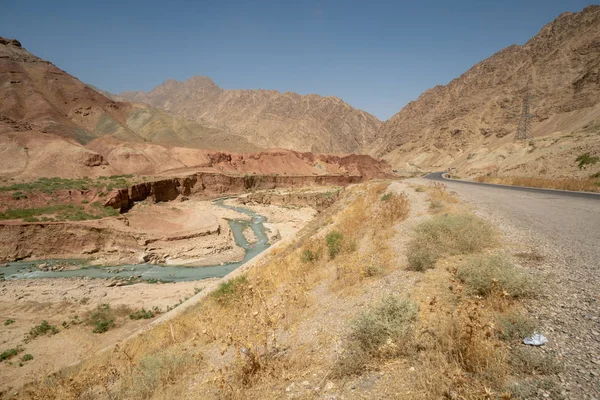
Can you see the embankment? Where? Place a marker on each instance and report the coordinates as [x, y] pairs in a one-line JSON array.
[[64, 240], [211, 185]]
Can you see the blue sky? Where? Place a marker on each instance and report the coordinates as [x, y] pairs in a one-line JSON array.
[[375, 55]]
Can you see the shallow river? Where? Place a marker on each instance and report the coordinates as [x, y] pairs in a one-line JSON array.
[[171, 273]]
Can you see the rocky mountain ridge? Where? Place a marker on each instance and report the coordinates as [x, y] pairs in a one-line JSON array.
[[477, 113], [266, 118]]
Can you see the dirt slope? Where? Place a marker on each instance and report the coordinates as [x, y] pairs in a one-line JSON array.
[[266, 118], [477, 113]]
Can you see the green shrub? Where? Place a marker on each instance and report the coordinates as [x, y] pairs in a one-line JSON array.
[[227, 291], [383, 331], [27, 357], [386, 196], [101, 318], [18, 195], [485, 274], [334, 243], [586, 159], [141, 314], [309, 256], [446, 235], [9, 321], [42, 329], [10, 353]]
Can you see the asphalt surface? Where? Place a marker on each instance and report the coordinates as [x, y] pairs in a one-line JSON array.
[[565, 228]]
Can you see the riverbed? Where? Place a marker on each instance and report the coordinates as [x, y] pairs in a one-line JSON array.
[[150, 272]]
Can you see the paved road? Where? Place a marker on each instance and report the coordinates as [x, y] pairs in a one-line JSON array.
[[565, 228]]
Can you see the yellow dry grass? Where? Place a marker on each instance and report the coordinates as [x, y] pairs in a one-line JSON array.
[[579, 185]]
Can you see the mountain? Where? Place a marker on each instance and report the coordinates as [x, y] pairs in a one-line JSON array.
[[54, 125], [470, 123], [266, 118], [37, 96]]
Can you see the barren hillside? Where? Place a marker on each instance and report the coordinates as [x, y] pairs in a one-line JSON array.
[[470, 123], [38, 97], [267, 118]]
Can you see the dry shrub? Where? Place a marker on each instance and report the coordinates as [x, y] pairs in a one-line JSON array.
[[485, 274], [528, 360], [581, 185], [515, 326], [446, 235], [438, 192], [384, 331], [154, 372], [392, 208], [460, 352]]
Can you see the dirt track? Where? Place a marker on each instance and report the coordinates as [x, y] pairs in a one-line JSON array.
[[565, 229]]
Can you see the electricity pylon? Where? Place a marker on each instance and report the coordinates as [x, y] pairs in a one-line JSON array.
[[525, 118]]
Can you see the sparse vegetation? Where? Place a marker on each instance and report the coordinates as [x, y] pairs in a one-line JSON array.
[[309, 256], [61, 212], [515, 326], [384, 331], [485, 274], [386, 196], [532, 361], [142, 314], [9, 322], [581, 185], [448, 235], [334, 243], [227, 291], [27, 357], [10, 353], [41, 330], [49, 185], [155, 371], [586, 159], [18, 195], [102, 318]]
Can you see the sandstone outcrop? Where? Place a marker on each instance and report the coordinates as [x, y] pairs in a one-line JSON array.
[[212, 185]]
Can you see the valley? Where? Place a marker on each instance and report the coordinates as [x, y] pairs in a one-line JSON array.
[[193, 241]]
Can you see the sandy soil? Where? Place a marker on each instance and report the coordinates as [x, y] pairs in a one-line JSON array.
[[287, 220], [28, 302]]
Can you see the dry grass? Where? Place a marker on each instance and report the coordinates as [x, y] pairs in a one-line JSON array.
[[447, 235], [579, 185], [486, 275], [385, 330]]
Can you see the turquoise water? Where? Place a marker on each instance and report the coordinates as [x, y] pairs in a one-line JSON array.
[[171, 273]]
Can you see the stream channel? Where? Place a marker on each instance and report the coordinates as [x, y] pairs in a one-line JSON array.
[[170, 273]]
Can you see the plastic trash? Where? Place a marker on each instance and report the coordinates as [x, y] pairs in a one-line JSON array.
[[536, 339]]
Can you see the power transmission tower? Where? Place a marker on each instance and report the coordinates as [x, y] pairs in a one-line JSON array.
[[525, 118]]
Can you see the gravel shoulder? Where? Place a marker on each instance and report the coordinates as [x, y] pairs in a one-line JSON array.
[[565, 231]]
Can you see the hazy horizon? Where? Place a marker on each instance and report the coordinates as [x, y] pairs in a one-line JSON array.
[[376, 56]]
